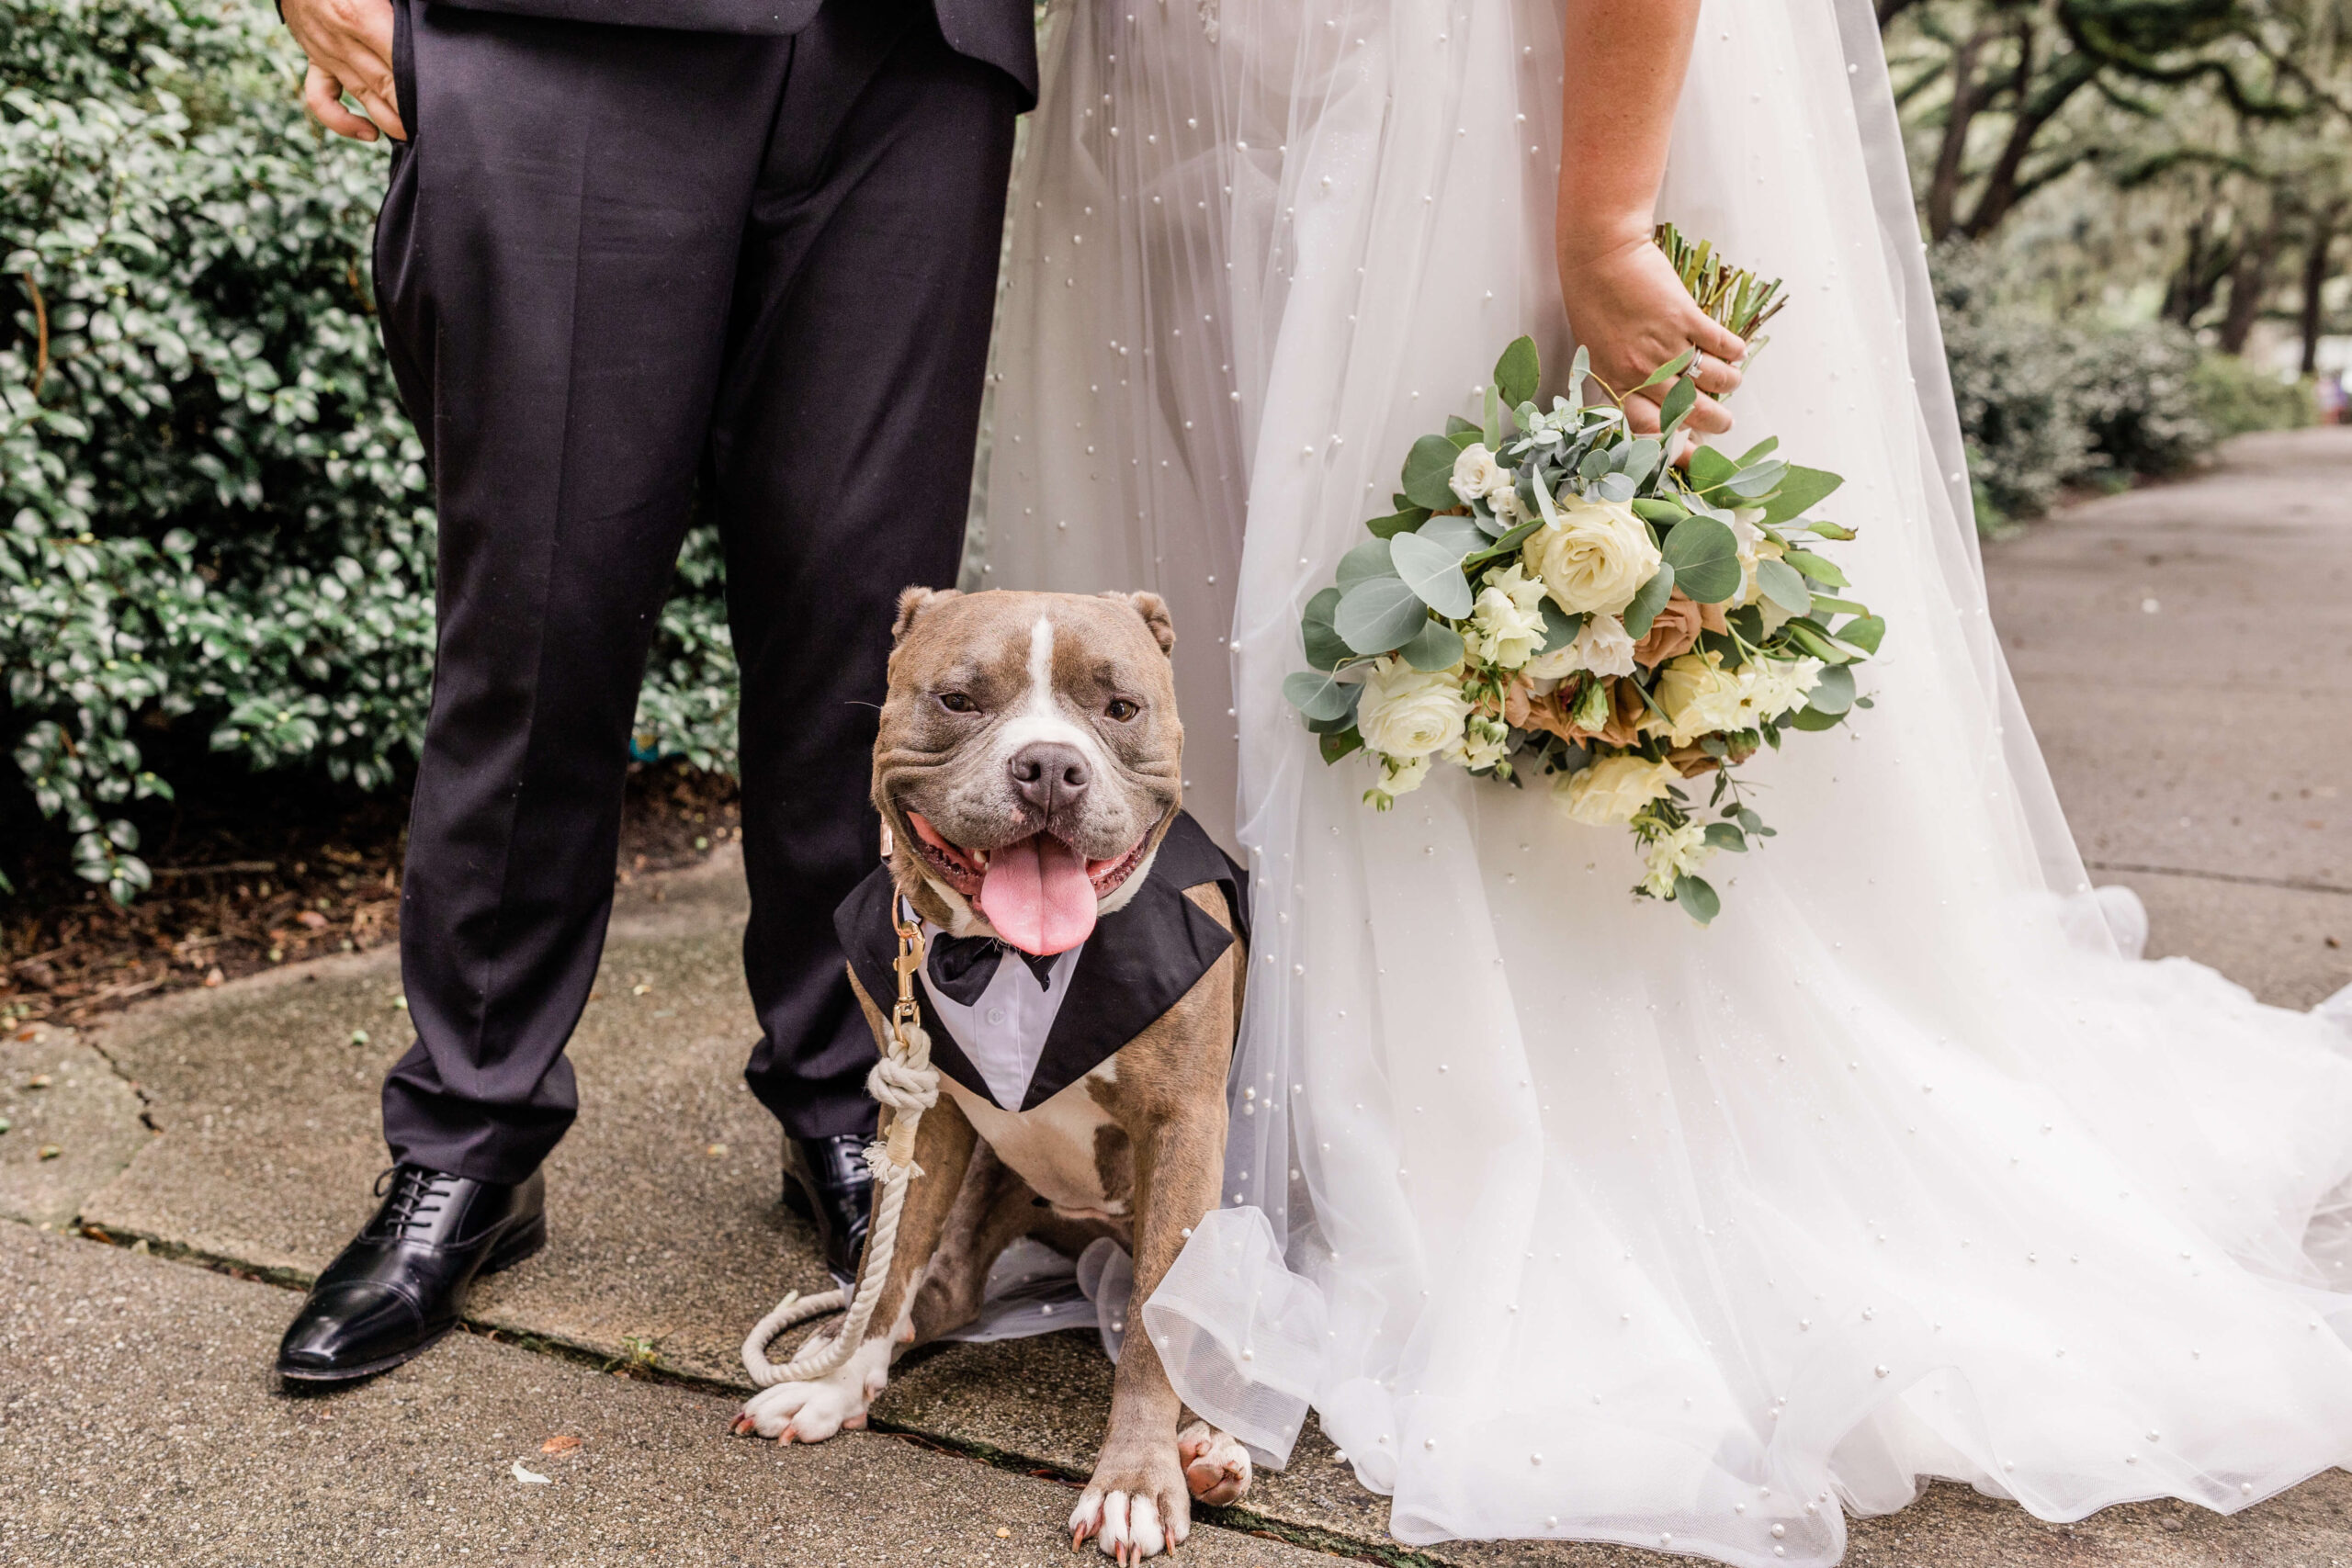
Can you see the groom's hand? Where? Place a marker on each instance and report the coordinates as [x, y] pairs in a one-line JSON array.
[[1627, 306], [350, 46]]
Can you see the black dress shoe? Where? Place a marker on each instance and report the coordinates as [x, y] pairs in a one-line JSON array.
[[827, 1180], [402, 1283]]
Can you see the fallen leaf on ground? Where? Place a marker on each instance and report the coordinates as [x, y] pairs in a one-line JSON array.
[[563, 1443], [530, 1477], [39, 1080], [213, 976], [715, 1150], [313, 920], [50, 1151]]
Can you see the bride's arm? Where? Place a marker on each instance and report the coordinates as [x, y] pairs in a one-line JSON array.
[[1625, 62]]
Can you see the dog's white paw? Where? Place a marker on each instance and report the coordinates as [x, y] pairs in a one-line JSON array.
[[811, 1412], [1132, 1517], [1216, 1467]]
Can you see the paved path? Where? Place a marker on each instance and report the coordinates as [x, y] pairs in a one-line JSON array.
[[235, 1128]]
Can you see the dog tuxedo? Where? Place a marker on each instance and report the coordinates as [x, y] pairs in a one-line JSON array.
[[1016, 1028]]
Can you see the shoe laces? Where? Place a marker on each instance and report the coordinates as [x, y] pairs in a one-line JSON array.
[[417, 1198]]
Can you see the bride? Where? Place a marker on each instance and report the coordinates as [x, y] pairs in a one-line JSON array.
[[1568, 1217]]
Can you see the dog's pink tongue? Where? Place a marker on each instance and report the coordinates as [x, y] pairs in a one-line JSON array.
[[1038, 896]]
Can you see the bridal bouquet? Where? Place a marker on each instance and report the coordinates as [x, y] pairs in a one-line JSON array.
[[1552, 597]]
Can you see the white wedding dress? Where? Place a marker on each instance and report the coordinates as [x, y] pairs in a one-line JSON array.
[[1578, 1220]]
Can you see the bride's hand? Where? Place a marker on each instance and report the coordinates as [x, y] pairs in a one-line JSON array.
[[1627, 306]]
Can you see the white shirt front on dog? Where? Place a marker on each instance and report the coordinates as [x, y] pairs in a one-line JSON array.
[[1003, 1033]]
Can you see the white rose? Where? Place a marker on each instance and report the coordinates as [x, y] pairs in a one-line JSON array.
[[1406, 714], [1477, 475], [1597, 559], [1613, 789], [1676, 853], [1601, 646], [1506, 624]]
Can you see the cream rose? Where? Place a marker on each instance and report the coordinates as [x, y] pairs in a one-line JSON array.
[[1613, 789], [1597, 559], [1405, 713]]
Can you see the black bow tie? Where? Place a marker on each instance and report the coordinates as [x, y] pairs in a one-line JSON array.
[[962, 966]]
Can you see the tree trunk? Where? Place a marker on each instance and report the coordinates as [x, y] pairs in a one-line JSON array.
[[2315, 275], [2249, 281], [1952, 158]]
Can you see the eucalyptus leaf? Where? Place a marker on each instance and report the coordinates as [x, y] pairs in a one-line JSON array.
[[1698, 899], [1492, 434], [1460, 534], [1578, 368], [1864, 632], [1669, 370], [1428, 474], [1705, 559], [1782, 585], [1648, 603], [1560, 628], [1823, 606], [1639, 457], [1818, 568], [1749, 484], [1709, 468], [1800, 489], [1758, 452], [1517, 371], [1506, 546], [1813, 640], [1401, 522], [1319, 694], [1615, 487], [1458, 425], [1367, 560], [1379, 613], [1335, 746], [1813, 720], [1659, 510], [1432, 570], [1726, 836], [1680, 400], [1324, 648], [1435, 647], [1834, 692]]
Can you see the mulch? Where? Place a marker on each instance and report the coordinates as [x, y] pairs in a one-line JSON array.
[[253, 871]]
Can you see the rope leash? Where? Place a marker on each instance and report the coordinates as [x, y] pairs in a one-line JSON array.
[[906, 1085]]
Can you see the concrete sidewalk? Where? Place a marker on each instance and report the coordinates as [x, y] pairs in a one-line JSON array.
[[237, 1128]]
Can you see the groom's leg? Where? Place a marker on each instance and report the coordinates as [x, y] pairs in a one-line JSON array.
[[558, 257], [843, 456]]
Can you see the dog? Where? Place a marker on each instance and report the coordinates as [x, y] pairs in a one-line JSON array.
[[1082, 990]]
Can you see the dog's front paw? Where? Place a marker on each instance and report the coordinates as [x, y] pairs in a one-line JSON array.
[[811, 1412], [1216, 1467], [1134, 1508]]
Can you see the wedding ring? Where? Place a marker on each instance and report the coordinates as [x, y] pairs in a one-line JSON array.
[[1698, 362]]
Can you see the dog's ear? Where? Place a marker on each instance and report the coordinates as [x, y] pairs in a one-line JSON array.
[[914, 602], [1154, 611]]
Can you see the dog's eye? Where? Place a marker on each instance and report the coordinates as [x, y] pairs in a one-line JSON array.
[[957, 702], [1123, 710]]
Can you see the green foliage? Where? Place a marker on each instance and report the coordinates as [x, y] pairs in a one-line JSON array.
[[215, 513], [2044, 404], [2237, 397]]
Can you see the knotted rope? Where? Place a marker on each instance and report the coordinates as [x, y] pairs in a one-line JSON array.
[[906, 1085]]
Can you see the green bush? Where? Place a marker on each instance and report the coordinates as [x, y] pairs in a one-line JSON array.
[[2044, 404], [2237, 397], [215, 513]]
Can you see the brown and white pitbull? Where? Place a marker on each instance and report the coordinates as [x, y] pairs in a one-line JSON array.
[[1030, 771]]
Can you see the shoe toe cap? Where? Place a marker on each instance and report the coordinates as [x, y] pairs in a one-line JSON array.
[[343, 1328]]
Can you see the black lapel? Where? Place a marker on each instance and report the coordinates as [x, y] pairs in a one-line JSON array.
[[864, 925], [1140, 961], [1138, 964]]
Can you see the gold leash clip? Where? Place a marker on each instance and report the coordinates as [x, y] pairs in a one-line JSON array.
[[905, 1013]]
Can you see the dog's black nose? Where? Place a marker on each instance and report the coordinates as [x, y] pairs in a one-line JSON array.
[[1049, 776]]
